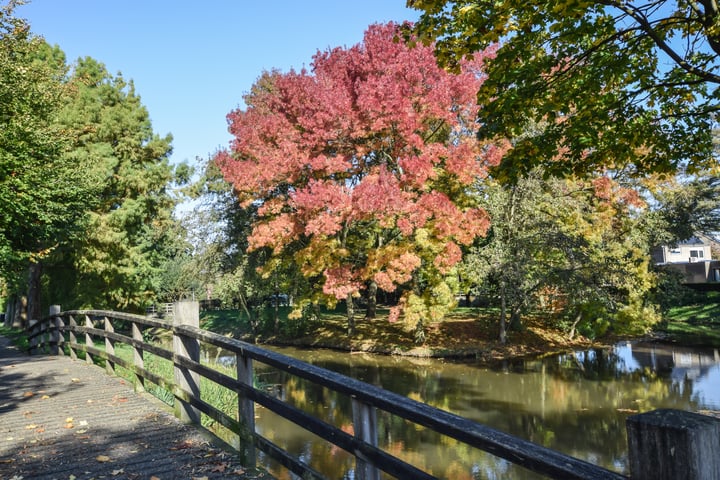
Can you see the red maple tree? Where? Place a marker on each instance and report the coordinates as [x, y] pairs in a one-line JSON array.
[[363, 167]]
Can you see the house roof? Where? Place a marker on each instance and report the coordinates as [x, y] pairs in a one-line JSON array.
[[694, 240]]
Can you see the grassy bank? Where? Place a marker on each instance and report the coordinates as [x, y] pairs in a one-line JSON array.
[[467, 332], [697, 322]]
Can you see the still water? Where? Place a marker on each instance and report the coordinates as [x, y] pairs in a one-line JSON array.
[[575, 403]]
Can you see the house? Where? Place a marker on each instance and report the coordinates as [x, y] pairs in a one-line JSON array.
[[694, 249], [692, 258]]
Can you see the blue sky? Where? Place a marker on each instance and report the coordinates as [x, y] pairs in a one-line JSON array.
[[191, 61]]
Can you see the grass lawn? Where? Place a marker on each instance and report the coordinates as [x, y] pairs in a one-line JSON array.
[[697, 323], [16, 336]]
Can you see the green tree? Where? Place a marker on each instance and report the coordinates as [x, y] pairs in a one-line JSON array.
[[617, 83], [130, 231], [43, 192], [687, 206], [573, 243], [219, 229]]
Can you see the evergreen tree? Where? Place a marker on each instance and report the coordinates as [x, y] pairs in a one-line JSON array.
[[130, 232]]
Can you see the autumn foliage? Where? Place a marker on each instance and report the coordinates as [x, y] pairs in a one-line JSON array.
[[362, 168]]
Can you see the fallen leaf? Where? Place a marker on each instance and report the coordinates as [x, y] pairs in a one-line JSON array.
[[220, 468], [39, 430], [83, 423], [30, 427], [9, 460], [182, 445], [69, 420], [102, 458], [72, 477], [45, 397], [239, 471], [154, 478], [200, 478], [28, 394], [115, 473], [80, 432], [75, 380], [69, 426]]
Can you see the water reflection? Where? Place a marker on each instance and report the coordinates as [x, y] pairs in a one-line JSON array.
[[576, 403]]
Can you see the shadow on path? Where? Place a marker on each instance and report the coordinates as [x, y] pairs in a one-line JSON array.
[[63, 419]]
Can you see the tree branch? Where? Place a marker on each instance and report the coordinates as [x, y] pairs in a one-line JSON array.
[[645, 24]]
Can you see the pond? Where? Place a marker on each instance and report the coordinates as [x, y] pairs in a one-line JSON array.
[[576, 403]]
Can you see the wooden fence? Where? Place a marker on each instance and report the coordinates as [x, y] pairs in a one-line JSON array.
[[663, 444]]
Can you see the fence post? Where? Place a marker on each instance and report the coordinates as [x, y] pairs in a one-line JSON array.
[[246, 410], [138, 361], [89, 339], [35, 340], [365, 428], [673, 444], [56, 337], [109, 347], [73, 337], [186, 381]]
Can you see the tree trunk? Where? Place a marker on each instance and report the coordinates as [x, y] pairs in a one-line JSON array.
[[516, 324], [10, 310], [19, 317], [371, 311], [251, 320], [420, 332], [350, 315], [276, 310], [575, 324], [503, 309], [34, 308]]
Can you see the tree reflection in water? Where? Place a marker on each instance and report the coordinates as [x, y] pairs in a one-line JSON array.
[[576, 403]]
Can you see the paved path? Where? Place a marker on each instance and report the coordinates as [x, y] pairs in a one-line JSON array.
[[64, 419]]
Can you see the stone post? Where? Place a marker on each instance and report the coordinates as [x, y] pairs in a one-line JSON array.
[[56, 336], [673, 444], [187, 382]]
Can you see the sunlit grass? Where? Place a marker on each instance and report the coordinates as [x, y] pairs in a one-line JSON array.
[[17, 336], [696, 323]]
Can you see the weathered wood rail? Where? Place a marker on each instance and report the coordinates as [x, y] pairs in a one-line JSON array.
[[651, 442]]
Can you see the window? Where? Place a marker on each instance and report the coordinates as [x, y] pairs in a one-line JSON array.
[[696, 254]]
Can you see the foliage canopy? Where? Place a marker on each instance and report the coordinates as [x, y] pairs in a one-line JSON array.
[[614, 83], [361, 167]]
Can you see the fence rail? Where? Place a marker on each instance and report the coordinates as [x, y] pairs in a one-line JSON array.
[[62, 329]]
